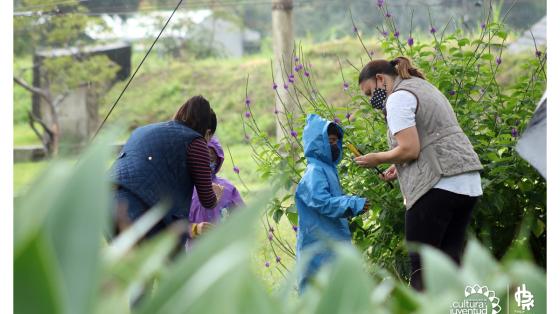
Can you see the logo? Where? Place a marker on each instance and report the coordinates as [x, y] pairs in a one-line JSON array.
[[478, 300], [524, 298]]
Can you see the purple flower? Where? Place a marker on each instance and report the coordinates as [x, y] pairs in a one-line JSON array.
[[266, 264], [294, 228], [396, 34], [278, 259], [337, 120], [380, 3], [296, 68], [452, 92], [410, 41], [385, 34], [274, 86], [388, 15], [433, 30], [345, 85], [371, 52], [293, 133], [291, 78], [514, 133], [483, 25], [296, 59], [285, 86], [247, 114], [236, 169], [306, 74], [348, 115], [538, 53], [247, 101], [498, 60], [270, 236]]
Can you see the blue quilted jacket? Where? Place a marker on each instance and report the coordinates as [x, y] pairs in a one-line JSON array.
[[153, 166]]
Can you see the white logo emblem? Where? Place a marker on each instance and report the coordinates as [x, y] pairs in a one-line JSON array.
[[524, 298], [477, 300]]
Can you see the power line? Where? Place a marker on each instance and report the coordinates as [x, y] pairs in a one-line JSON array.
[[136, 71]]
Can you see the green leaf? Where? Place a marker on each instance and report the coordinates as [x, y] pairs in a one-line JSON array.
[[478, 264], [38, 287], [462, 42], [75, 224], [293, 218], [277, 215], [502, 34], [440, 274], [338, 297], [217, 264]]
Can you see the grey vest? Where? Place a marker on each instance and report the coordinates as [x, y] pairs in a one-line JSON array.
[[445, 150]]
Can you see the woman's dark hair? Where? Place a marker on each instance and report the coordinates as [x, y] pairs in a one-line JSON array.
[[400, 66], [197, 114]]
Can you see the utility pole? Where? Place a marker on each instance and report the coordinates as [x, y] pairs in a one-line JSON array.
[[283, 45]]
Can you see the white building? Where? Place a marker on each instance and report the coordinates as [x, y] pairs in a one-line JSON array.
[[230, 39]]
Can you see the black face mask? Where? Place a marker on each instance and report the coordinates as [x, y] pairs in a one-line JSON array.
[[378, 98], [335, 152]]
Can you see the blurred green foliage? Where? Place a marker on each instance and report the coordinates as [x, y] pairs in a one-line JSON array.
[[62, 263]]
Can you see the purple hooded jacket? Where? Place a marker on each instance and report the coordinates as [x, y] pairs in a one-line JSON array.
[[230, 199]]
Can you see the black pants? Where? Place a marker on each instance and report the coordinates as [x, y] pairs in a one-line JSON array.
[[440, 219]]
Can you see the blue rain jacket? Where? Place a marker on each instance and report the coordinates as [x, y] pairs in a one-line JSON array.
[[322, 207]]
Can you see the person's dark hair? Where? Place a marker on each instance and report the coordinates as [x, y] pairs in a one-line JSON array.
[[197, 114], [400, 66], [332, 129]]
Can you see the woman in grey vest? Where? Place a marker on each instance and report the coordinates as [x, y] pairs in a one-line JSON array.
[[434, 161]]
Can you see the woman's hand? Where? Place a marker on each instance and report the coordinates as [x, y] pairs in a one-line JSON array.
[[368, 161], [389, 174], [218, 190]]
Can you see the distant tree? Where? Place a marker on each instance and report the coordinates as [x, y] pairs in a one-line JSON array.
[[112, 6], [51, 26]]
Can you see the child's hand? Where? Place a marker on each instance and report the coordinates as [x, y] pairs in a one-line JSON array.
[[201, 228], [389, 174], [366, 207]]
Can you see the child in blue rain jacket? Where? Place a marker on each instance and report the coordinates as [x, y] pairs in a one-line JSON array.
[[323, 209]]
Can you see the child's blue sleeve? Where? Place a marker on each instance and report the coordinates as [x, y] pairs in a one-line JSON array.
[[313, 190]]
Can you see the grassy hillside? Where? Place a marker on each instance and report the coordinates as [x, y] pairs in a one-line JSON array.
[[164, 84]]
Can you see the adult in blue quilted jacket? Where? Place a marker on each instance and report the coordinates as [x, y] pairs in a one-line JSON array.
[[162, 162], [323, 209]]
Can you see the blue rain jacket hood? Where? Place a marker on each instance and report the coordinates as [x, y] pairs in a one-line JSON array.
[[323, 209]]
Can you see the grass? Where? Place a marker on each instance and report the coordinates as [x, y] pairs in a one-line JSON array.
[[25, 173], [24, 135]]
